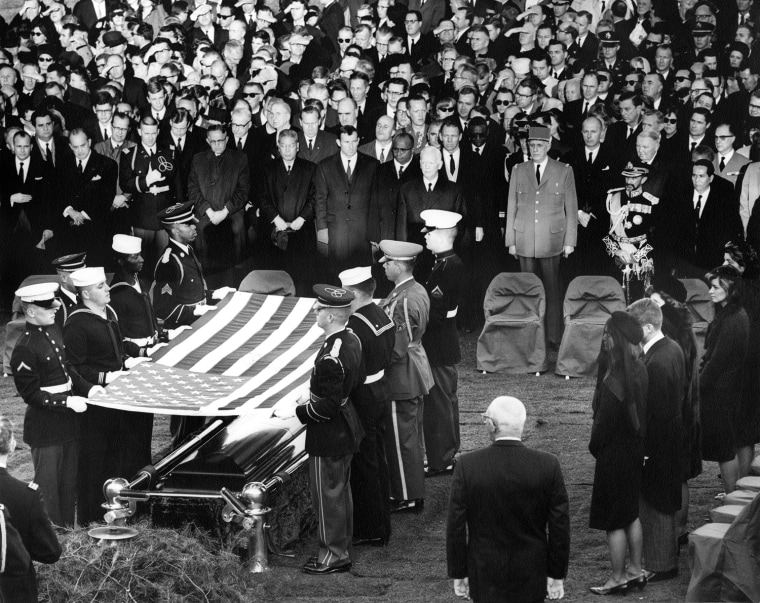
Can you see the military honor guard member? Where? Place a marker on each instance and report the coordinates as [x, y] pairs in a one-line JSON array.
[[179, 289], [22, 515], [54, 393], [441, 341], [333, 430], [64, 266], [630, 211], [94, 345], [369, 468], [409, 375]]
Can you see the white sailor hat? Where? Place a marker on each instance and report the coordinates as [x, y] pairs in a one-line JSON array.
[[88, 276], [201, 10], [399, 250], [41, 294], [354, 276], [439, 218], [126, 244]]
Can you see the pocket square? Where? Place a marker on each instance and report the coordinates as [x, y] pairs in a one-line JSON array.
[[38, 177], [606, 168], [97, 177]]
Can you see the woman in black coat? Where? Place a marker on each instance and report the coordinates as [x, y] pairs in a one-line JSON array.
[[720, 378], [617, 443]]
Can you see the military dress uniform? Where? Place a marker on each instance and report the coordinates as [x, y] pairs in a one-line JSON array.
[[409, 378], [44, 378], [27, 514], [333, 434], [441, 342], [369, 468], [178, 285], [94, 345], [15, 563]]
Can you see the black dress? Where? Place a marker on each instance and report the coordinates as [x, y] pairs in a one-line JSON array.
[[618, 450], [720, 381], [748, 424]]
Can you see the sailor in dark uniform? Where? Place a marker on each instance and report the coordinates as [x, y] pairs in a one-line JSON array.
[[64, 266], [441, 341], [179, 290], [94, 346], [22, 514], [333, 430], [180, 295], [370, 486], [52, 390], [630, 210]]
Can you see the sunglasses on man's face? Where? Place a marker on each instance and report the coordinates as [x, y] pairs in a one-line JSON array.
[[671, 120], [501, 102], [345, 40]]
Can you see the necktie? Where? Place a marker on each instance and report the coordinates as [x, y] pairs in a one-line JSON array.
[[585, 108], [240, 144], [538, 174], [179, 145], [106, 135], [590, 158], [382, 156], [452, 165], [430, 187], [79, 166], [287, 168], [400, 172], [630, 131], [722, 164], [698, 207], [693, 145], [348, 170], [604, 2], [48, 154], [311, 145], [21, 172]]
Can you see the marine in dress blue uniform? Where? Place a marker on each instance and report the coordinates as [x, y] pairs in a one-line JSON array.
[[441, 340], [369, 468], [333, 430], [46, 381]]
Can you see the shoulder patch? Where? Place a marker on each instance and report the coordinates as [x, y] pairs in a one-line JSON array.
[[126, 151], [23, 366], [166, 289], [335, 351], [651, 198], [33, 486], [436, 292], [166, 256]]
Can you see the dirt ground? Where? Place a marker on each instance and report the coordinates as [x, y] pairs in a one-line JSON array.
[[412, 568]]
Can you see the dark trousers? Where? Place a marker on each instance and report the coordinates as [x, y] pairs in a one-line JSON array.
[[19, 589], [405, 447], [55, 470], [370, 486], [331, 496], [441, 419], [547, 269]]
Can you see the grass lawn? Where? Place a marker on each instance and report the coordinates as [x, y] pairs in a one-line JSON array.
[[413, 567]]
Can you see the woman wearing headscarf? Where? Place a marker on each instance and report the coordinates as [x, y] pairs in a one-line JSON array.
[[720, 377], [744, 259], [617, 444], [677, 321]]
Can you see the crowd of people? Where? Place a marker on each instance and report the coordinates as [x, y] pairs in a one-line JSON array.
[[174, 142]]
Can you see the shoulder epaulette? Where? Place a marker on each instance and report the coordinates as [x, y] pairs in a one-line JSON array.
[[335, 351], [166, 256], [651, 198], [33, 486]]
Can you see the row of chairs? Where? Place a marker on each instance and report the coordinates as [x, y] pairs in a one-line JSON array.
[[512, 339]]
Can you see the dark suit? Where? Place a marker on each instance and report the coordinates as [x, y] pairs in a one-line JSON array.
[[324, 146], [508, 522], [343, 208], [331, 20], [85, 13], [625, 146], [661, 477], [414, 198], [59, 150], [384, 206], [589, 50], [289, 196], [92, 192], [432, 13]]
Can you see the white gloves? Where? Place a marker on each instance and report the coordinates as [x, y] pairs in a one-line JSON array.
[[76, 403], [96, 390], [200, 310], [131, 363], [111, 376], [222, 292], [172, 333]]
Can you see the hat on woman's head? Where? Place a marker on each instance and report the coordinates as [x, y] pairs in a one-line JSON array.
[[627, 326], [669, 285]]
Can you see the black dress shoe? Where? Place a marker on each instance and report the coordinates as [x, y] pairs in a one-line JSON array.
[[368, 541], [683, 539], [407, 506], [620, 589], [447, 471], [321, 568], [660, 576]]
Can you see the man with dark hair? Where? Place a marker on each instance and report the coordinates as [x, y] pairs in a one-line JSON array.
[[369, 468], [621, 135], [48, 146]]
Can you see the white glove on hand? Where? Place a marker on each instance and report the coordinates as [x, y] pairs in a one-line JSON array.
[[96, 390], [279, 223], [287, 412], [153, 349], [222, 292], [111, 376], [131, 363], [201, 310], [172, 333], [76, 403]]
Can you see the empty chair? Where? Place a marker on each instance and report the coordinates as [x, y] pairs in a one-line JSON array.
[[589, 302], [754, 468], [725, 513], [268, 282], [750, 482], [513, 336], [698, 302], [740, 497]]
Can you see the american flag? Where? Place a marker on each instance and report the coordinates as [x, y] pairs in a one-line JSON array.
[[251, 353]]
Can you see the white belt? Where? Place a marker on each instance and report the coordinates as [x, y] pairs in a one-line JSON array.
[[57, 389], [142, 342], [376, 377], [452, 313]]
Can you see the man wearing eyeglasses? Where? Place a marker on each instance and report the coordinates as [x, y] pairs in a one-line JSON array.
[[728, 163], [419, 45]]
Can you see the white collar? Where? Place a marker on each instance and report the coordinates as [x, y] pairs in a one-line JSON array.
[[411, 278], [655, 338], [433, 182], [728, 157], [506, 438], [182, 246], [542, 165]]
